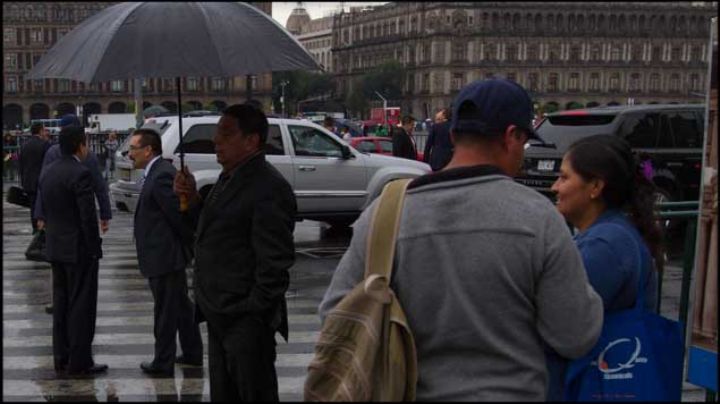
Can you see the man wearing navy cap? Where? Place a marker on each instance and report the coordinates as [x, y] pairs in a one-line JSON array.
[[490, 275], [99, 185]]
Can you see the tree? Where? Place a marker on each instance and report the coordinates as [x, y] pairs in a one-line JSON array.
[[387, 79], [301, 85]]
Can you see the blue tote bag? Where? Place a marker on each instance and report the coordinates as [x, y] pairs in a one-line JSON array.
[[638, 357]]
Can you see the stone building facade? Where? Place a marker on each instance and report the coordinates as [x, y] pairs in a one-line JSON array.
[[568, 55], [31, 28], [316, 37]]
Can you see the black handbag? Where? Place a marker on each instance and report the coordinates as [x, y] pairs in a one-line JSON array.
[[18, 196], [36, 249]]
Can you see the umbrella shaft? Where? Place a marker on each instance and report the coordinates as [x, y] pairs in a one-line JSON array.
[[180, 128]]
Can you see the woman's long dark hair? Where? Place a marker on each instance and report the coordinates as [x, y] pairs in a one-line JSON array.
[[611, 159]]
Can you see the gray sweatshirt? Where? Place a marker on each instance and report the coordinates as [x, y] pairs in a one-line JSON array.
[[486, 271]]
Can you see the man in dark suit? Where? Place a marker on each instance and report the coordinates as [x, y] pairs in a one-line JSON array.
[[31, 158], [99, 185], [243, 250], [403, 142], [73, 249], [161, 238], [439, 148]]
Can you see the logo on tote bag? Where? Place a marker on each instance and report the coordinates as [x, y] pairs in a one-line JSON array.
[[611, 368]]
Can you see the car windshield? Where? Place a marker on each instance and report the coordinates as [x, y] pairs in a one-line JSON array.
[[564, 130], [158, 124]]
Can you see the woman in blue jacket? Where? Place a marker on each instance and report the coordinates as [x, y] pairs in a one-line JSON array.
[[602, 192]]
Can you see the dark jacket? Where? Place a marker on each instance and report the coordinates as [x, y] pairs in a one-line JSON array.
[[71, 219], [31, 158], [244, 247], [160, 234], [99, 185], [438, 148], [403, 146]]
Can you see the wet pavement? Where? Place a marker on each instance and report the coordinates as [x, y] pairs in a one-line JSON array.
[[124, 333]]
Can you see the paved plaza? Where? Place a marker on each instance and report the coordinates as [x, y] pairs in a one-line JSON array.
[[124, 333]]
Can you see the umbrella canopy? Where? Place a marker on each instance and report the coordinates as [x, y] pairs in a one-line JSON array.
[[163, 39]]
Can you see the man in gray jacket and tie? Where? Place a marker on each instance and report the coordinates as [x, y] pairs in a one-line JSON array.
[[162, 242]]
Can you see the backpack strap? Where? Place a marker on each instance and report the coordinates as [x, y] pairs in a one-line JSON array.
[[384, 229]]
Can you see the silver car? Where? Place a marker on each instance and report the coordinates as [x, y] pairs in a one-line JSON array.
[[332, 181]]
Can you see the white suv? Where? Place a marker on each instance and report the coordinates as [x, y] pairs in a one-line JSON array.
[[332, 181]]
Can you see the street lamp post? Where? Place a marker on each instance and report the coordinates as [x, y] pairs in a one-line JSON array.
[[282, 97]]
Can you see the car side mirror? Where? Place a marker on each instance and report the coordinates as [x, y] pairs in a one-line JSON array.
[[346, 153]]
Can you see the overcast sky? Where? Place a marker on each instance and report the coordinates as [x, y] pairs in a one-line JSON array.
[[281, 10]]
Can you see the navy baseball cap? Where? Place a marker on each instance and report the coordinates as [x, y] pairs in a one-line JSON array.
[[69, 120], [490, 106]]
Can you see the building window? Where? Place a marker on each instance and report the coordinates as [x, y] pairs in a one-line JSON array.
[[489, 75], [594, 81], [634, 85], [615, 82], [675, 83], [459, 52], [574, 83], [675, 54], [191, 84], [426, 82], [9, 36], [533, 81], [490, 52], [11, 61], [655, 82], [458, 81], [553, 83], [532, 52], [656, 53], [575, 54], [637, 53], [695, 54], [218, 84], [426, 53], [38, 85], [117, 86], [511, 53], [554, 54], [11, 84], [168, 84], [511, 76], [36, 35], [63, 85], [615, 53], [595, 53], [695, 82]]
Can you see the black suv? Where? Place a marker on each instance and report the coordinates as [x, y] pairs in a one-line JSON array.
[[671, 136]]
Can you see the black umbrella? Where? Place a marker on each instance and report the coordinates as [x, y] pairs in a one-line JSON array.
[[159, 39]]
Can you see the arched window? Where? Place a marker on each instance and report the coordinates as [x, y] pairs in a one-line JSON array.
[[615, 82], [552, 83], [675, 83], [655, 82], [615, 53], [634, 85]]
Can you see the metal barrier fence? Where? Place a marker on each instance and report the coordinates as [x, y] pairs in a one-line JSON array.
[[11, 151], [686, 211]]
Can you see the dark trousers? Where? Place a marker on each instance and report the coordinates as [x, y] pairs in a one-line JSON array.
[[75, 291], [174, 315], [32, 196], [242, 361]]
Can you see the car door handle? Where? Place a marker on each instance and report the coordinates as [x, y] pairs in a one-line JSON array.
[[306, 168]]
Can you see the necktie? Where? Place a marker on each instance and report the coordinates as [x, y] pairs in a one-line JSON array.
[[217, 189]]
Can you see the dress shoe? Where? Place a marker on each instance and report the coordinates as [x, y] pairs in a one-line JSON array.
[[183, 360], [152, 369], [49, 309], [94, 369]]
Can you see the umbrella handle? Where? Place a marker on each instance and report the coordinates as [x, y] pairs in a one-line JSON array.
[[183, 203]]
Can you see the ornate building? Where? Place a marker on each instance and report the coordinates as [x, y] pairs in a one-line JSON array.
[[315, 35], [30, 29], [568, 55]]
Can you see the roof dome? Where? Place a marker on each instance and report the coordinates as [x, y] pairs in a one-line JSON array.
[[297, 20]]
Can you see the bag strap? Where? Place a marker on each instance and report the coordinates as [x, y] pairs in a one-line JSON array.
[[384, 229]]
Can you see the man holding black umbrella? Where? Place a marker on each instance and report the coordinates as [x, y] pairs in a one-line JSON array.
[[243, 250]]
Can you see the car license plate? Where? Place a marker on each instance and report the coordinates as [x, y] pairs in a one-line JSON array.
[[124, 174], [546, 165]]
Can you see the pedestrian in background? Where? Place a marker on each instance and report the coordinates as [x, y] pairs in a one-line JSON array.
[[439, 148], [161, 239], [490, 273], [111, 146], [329, 124], [402, 139], [31, 158], [98, 183], [243, 250], [73, 249], [602, 191]]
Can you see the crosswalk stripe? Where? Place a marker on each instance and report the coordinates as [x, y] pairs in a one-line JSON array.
[[135, 320], [131, 306]]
